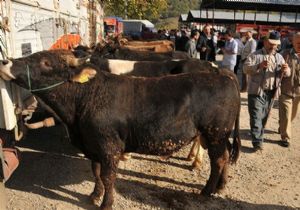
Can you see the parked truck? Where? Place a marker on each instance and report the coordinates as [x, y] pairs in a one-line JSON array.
[[134, 28], [28, 26], [113, 26]]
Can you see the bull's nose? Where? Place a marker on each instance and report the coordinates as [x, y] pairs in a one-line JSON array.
[[4, 62]]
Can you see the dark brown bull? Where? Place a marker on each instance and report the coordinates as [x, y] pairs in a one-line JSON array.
[[112, 114], [163, 68]]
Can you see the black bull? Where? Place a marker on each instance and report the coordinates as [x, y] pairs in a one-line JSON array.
[[112, 114]]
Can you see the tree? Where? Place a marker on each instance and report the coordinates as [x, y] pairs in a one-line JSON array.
[[177, 7], [135, 9]]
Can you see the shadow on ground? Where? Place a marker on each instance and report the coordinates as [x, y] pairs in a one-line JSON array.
[[55, 164]]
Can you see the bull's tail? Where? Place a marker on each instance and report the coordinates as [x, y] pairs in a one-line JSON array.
[[236, 145]]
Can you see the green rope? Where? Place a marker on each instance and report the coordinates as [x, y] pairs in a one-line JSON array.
[[39, 89]]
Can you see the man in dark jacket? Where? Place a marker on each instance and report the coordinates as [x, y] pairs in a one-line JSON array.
[[206, 46], [181, 42]]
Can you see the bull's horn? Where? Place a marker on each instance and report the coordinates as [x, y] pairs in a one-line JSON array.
[[72, 61]]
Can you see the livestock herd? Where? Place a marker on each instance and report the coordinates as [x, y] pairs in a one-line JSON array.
[[127, 97]]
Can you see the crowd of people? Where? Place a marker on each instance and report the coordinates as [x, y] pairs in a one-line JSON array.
[[268, 66]]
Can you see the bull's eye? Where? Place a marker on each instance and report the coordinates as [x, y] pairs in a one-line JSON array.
[[46, 64]]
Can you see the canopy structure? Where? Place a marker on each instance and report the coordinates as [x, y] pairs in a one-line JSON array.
[[263, 12], [243, 16], [258, 5]]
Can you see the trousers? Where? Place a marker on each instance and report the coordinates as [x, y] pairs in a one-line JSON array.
[[258, 106], [288, 108]]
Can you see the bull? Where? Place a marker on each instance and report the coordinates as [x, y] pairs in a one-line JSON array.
[[162, 68], [114, 51], [112, 114]]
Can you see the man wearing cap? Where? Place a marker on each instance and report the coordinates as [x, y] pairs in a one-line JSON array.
[[289, 100], [250, 47], [264, 68]]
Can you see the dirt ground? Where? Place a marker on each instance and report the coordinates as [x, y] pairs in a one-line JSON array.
[[53, 176]]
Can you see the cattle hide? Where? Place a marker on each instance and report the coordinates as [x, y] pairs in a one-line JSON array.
[[112, 51], [153, 68], [113, 114]]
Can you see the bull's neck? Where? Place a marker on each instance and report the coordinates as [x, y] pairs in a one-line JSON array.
[[63, 100]]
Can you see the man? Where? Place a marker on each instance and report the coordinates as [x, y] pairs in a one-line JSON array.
[[191, 45], [238, 40], [206, 45], [290, 92], [230, 51], [264, 68], [286, 42], [181, 42], [250, 47]]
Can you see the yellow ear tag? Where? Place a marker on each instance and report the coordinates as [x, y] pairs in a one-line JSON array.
[[85, 75], [83, 78]]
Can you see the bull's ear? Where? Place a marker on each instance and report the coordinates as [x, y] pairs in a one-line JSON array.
[[84, 75]]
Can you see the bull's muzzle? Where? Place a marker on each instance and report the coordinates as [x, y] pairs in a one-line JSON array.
[[5, 70]]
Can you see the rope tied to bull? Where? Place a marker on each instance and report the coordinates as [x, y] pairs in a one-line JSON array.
[[39, 89]]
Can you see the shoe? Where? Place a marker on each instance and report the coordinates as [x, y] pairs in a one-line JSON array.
[[257, 145], [284, 143]]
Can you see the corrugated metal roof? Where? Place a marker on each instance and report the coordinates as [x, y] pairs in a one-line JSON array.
[[283, 2], [243, 16], [262, 5]]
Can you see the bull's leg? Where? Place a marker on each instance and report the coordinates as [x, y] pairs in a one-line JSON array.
[[194, 149], [217, 155], [99, 188], [109, 166], [199, 158], [125, 156], [224, 175]]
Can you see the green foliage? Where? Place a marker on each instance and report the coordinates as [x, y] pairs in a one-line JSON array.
[[177, 7], [149, 9], [135, 9], [167, 23]]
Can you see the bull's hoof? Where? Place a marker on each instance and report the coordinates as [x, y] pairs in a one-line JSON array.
[[206, 193], [164, 158], [220, 190], [221, 187], [196, 166], [105, 208], [95, 199], [125, 156], [190, 158]]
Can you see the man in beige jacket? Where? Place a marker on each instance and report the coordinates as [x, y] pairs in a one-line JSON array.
[[250, 47], [289, 99], [264, 68]]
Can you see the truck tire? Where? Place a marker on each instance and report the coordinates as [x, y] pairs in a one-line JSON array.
[[2, 196]]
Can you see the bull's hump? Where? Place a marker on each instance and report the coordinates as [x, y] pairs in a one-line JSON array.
[[121, 66]]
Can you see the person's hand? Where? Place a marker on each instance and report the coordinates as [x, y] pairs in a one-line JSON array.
[[264, 65], [284, 68], [203, 49]]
